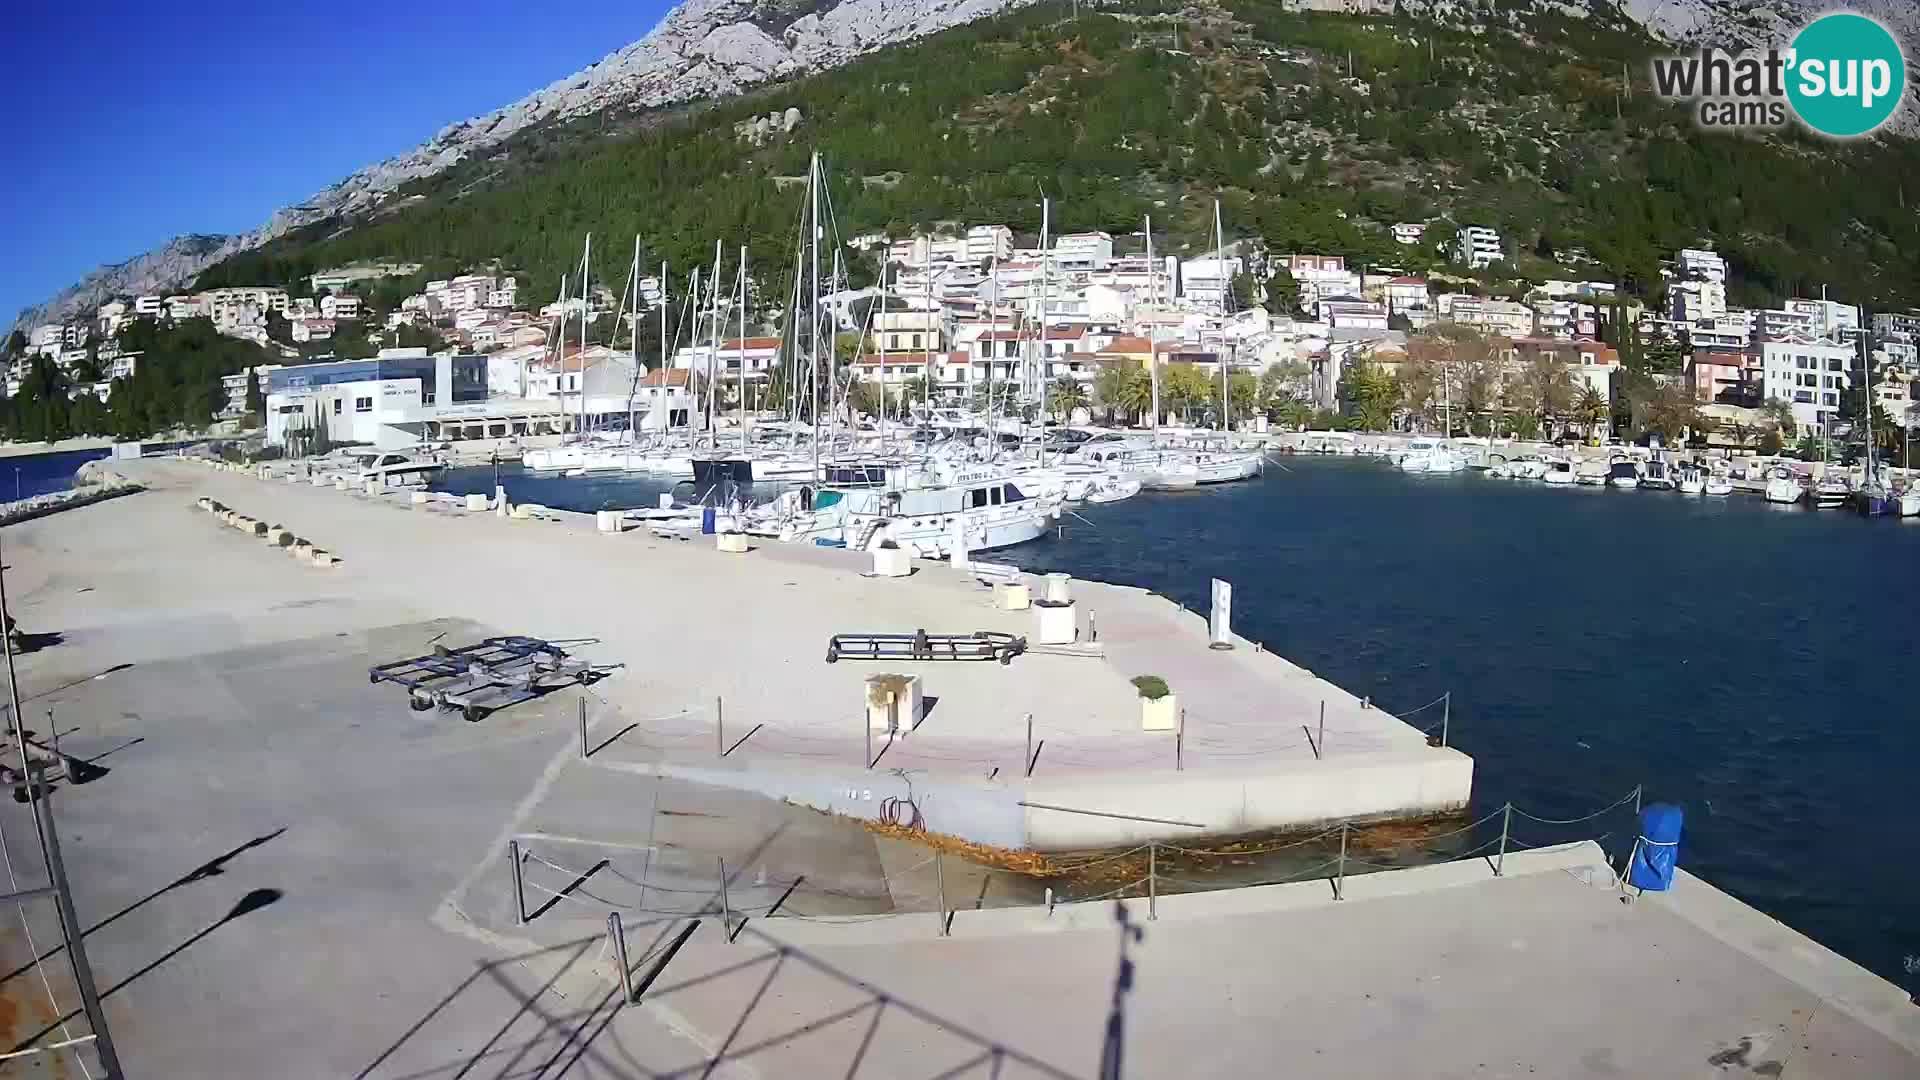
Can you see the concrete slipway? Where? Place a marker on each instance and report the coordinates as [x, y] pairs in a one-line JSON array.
[[286, 873]]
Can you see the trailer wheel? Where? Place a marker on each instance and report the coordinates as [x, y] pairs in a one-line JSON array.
[[833, 653], [418, 703], [373, 678], [472, 713], [1006, 658]]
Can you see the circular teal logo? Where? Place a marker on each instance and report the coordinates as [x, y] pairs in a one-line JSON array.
[[1847, 75]]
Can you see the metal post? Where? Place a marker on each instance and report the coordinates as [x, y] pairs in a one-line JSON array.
[[1153, 881], [940, 878], [1320, 744], [1340, 882], [619, 935], [726, 906], [869, 726], [519, 887], [1446, 715], [583, 727], [70, 926], [1506, 819], [1637, 790], [1367, 702], [1029, 762], [1049, 901], [720, 728]]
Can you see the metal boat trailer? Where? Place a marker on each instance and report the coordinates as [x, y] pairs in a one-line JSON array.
[[481, 678], [920, 645]]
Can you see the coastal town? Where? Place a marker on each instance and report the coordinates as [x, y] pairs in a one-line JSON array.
[[955, 311]]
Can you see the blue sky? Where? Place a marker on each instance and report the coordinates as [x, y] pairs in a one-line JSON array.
[[130, 124]]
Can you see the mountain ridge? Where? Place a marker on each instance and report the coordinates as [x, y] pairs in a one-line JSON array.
[[707, 49]]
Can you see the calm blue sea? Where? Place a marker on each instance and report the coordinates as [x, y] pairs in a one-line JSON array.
[[43, 474], [1753, 663]]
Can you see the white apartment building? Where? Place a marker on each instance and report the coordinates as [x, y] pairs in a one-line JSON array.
[[472, 318], [1808, 374], [110, 317], [906, 331], [46, 338], [1083, 251], [1565, 320], [1407, 297], [507, 292], [260, 297], [1409, 232], [1575, 290], [1693, 299], [340, 306], [757, 354], [1478, 247], [1209, 282], [1830, 318], [123, 365], [1732, 330], [186, 307], [1702, 264], [1352, 313], [1505, 318], [150, 306], [1784, 323], [988, 242], [305, 330]]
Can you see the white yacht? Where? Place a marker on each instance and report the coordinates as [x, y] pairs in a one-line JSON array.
[[1430, 456], [1623, 474], [1657, 476], [1719, 484], [1906, 501], [1782, 487], [1558, 473], [1591, 473], [1692, 481], [395, 470], [926, 522]]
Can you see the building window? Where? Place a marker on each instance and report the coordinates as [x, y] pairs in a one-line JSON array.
[[363, 404], [336, 406], [1831, 399], [1833, 364]]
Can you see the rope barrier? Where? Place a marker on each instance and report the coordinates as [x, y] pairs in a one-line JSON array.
[[1249, 851], [1622, 801]]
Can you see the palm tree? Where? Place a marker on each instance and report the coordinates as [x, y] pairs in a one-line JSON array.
[[1109, 387], [1740, 433], [1064, 396], [918, 388], [1591, 409]]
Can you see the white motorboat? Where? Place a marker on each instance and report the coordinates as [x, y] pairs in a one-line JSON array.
[[1212, 467], [1114, 490], [1528, 467], [1623, 475], [1718, 484], [1558, 473], [1831, 494], [1500, 470], [1906, 501], [1782, 487], [1591, 473], [925, 522], [396, 470], [1657, 476], [1692, 481], [1431, 456]]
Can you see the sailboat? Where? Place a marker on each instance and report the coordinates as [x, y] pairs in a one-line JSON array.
[[1872, 499]]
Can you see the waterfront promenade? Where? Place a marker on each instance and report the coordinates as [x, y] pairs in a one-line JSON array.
[[290, 874]]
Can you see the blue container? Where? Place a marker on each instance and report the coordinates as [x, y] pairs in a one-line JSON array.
[[706, 521], [1657, 851], [821, 541]]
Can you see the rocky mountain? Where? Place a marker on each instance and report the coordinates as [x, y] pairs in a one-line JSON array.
[[713, 48]]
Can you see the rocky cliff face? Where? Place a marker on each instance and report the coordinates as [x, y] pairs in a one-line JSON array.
[[712, 48]]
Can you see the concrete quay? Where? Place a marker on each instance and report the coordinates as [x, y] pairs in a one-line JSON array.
[[285, 872], [725, 674]]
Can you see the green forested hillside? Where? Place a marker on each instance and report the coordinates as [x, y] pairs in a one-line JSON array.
[[1316, 131]]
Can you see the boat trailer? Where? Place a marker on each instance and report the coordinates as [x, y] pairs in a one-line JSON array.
[[489, 675], [920, 645]]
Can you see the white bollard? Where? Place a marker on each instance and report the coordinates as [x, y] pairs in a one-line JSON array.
[[476, 503], [957, 544], [607, 521]]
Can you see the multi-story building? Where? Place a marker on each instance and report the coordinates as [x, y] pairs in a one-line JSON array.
[[1693, 299], [507, 292], [1351, 313], [123, 365], [1501, 317], [110, 317], [1727, 376], [1829, 318], [305, 330], [150, 306], [1208, 282], [1808, 374], [1409, 232], [186, 307], [1478, 247], [1781, 324], [386, 402], [1320, 277], [906, 331], [988, 242], [1565, 319], [1409, 298], [1083, 251], [1899, 325], [1731, 331], [756, 354], [340, 306], [1702, 264]]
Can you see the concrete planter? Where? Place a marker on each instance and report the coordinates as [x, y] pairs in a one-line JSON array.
[[1161, 715], [734, 543], [607, 521], [891, 562], [893, 702], [419, 498], [1012, 596], [476, 504]]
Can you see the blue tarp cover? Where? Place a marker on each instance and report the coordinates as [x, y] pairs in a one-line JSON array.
[[1655, 856]]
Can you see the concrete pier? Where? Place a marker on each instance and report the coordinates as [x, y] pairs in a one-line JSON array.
[[696, 627], [286, 872]]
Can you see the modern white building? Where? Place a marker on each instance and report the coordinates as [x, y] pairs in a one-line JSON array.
[[385, 402], [1732, 330], [1808, 374], [1506, 318], [1829, 318], [1083, 251], [1694, 299], [1407, 297], [989, 242], [340, 306], [150, 306], [1208, 282], [1478, 247], [1409, 232], [1702, 264]]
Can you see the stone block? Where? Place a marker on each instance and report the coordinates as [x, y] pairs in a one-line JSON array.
[[321, 557], [1054, 623], [476, 503], [891, 562], [1012, 596], [419, 498], [1161, 715], [733, 542], [893, 702]]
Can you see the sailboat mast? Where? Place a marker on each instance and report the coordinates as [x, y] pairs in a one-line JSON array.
[[742, 403], [1226, 295], [1153, 351], [1046, 284], [633, 336], [663, 341], [586, 270], [813, 303], [713, 348]]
